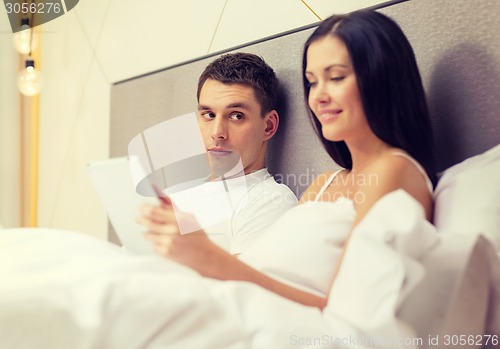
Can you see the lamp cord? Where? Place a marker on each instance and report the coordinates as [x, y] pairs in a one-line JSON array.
[[31, 24]]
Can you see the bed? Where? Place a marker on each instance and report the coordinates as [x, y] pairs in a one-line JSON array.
[[418, 285]]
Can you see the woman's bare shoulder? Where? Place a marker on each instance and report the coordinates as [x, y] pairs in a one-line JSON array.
[[397, 172]]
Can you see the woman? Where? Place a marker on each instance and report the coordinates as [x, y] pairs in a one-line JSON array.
[[367, 102]]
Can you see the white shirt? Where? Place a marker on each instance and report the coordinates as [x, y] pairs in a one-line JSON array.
[[233, 212]]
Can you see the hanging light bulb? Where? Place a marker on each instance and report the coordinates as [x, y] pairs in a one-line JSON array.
[[25, 40], [29, 80]]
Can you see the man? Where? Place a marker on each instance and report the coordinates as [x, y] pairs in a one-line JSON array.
[[237, 99]]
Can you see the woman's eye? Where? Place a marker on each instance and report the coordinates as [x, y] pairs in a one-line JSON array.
[[236, 116], [337, 78], [311, 83]]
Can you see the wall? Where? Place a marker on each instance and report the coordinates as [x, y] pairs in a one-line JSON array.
[[104, 41], [9, 129]]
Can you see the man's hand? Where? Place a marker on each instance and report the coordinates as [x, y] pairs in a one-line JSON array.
[[193, 249]]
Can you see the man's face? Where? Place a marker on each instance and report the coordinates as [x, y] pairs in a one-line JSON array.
[[233, 127]]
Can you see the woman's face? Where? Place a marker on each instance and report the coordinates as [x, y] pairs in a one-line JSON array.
[[334, 95]]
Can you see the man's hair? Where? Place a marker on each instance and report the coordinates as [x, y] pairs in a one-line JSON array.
[[389, 84], [245, 69]]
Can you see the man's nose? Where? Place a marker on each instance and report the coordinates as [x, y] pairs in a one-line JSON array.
[[219, 128]]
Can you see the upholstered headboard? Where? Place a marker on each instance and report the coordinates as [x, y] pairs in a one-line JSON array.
[[457, 44]]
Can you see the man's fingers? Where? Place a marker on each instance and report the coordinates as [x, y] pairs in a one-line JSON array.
[[161, 229], [158, 214], [161, 243]]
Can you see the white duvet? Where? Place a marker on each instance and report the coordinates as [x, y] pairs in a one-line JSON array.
[[63, 290], [60, 289]]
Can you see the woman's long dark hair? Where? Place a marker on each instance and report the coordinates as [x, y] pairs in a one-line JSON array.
[[389, 83]]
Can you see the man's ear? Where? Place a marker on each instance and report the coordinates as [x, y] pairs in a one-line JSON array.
[[272, 121]]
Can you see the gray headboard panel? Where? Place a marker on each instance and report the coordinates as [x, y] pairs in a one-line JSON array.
[[457, 43], [139, 103]]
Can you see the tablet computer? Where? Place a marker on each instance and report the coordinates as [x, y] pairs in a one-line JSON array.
[[115, 187]]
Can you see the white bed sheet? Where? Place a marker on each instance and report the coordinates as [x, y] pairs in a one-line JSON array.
[[60, 289]]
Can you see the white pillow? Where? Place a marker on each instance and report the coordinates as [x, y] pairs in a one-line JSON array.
[[467, 197], [452, 299]]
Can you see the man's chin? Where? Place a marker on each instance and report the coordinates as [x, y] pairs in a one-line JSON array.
[[226, 166]]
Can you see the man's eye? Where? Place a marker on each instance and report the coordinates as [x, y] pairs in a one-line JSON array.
[[236, 116], [208, 115]]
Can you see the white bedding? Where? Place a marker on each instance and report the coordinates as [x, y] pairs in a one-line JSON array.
[[60, 289]]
